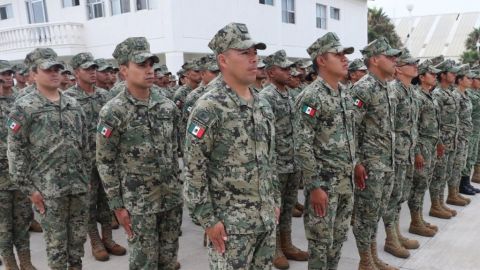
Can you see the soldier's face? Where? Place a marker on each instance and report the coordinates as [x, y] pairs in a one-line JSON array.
[[450, 77], [48, 78], [20, 78], [240, 65], [333, 63], [87, 75], [208, 76], [465, 82], [294, 82], [476, 83], [279, 75], [429, 79], [140, 75], [261, 74], [7, 77], [386, 64], [356, 75], [194, 76], [409, 70], [104, 77]]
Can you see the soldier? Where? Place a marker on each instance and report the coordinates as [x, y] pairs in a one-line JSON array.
[[49, 128], [164, 81], [294, 83], [104, 75], [303, 65], [173, 82], [375, 102], [137, 160], [474, 149], [15, 207], [261, 77], [192, 80], [327, 153], [356, 71], [6, 74], [428, 146], [21, 75], [406, 133], [66, 73], [277, 94], [230, 181]]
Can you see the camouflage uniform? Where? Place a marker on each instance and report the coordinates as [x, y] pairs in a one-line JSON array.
[[230, 164], [54, 135], [136, 154], [21, 69], [473, 141], [376, 147]]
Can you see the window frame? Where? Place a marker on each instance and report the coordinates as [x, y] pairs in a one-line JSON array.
[[32, 19], [147, 2], [71, 2], [288, 11], [91, 9], [318, 17], [123, 9], [333, 11], [267, 2], [8, 7]]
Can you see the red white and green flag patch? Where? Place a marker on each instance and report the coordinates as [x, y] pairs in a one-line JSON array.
[[309, 110], [196, 130], [358, 103], [13, 125], [105, 130]]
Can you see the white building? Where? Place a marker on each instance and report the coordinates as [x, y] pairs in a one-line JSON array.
[[176, 29]]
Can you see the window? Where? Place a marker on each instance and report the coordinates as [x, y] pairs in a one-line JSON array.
[[142, 4], [70, 3], [120, 6], [335, 13], [321, 16], [36, 11], [288, 11], [95, 9], [266, 2], [6, 12]]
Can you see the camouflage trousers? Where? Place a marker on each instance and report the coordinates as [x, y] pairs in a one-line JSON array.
[[400, 193], [65, 230], [461, 154], [289, 189], [473, 149], [443, 168], [326, 235], [244, 252], [422, 178], [369, 205], [15, 218], [155, 241], [99, 211]]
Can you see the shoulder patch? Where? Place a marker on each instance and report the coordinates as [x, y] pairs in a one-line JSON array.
[[358, 103], [13, 124], [104, 129], [196, 130], [310, 111]]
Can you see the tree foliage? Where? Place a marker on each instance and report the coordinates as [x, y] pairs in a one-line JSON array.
[[380, 25]]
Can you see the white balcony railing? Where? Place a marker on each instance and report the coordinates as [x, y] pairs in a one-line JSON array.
[[41, 35]]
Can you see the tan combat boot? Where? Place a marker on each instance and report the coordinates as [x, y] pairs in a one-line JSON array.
[[436, 210], [35, 227], [393, 245], [429, 225], [98, 249], [25, 260], [404, 241], [289, 250], [379, 264], [279, 260], [446, 208], [453, 198], [366, 262], [476, 174], [10, 262], [417, 226], [110, 245], [467, 200]]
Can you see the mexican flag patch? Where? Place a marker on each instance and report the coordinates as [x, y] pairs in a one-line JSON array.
[[105, 130], [358, 103], [196, 130], [308, 110], [13, 125]]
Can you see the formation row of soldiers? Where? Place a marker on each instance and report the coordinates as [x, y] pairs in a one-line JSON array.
[[363, 138]]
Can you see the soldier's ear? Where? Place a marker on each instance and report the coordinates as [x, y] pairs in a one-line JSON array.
[[222, 60]]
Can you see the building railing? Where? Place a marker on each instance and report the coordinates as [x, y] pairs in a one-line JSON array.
[[41, 35]]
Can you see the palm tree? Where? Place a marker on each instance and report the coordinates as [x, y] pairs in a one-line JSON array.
[[380, 25], [471, 54]]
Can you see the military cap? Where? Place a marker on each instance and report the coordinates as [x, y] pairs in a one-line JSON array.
[[447, 66], [209, 62], [357, 64], [279, 59], [71, 77], [406, 58], [66, 68], [156, 66], [464, 70], [21, 69], [114, 64], [135, 49], [43, 58], [328, 43], [260, 64], [180, 72], [427, 66], [103, 64], [437, 60], [5, 66], [477, 74], [303, 63], [380, 46], [294, 72], [173, 78], [234, 36], [82, 60], [192, 64]]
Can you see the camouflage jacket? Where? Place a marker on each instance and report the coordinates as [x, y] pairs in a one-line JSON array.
[[91, 105], [474, 95], [25, 91], [136, 153], [465, 126], [294, 92], [193, 96], [285, 127], [326, 143], [180, 95], [449, 108], [406, 118], [6, 103], [428, 122], [375, 103], [230, 162], [47, 146]]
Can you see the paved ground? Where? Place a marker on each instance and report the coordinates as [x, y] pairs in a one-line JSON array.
[[455, 247]]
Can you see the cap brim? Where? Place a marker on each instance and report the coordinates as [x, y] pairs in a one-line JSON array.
[[103, 68], [393, 52], [434, 70], [49, 64], [7, 69], [409, 61], [247, 44], [453, 69], [286, 64], [144, 56], [87, 65]]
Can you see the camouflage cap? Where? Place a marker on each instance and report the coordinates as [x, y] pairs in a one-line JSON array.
[[294, 72], [180, 72], [477, 74], [209, 62], [67, 69], [464, 70], [328, 43], [303, 63], [427, 66], [173, 78], [162, 70], [192, 64], [447, 66], [135, 49], [5, 66], [103, 64], [437, 60], [114, 64], [21, 69], [82, 60], [233, 36], [43, 58], [260, 64], [357, 64], [379, 46], [279, 59], [406, 58]]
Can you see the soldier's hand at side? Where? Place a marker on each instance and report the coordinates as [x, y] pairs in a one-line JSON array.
[[440, 150], [319, 201], [124, 219], [277, 214], [218, 236], [37, 200], [419, 162], [360, 175]]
